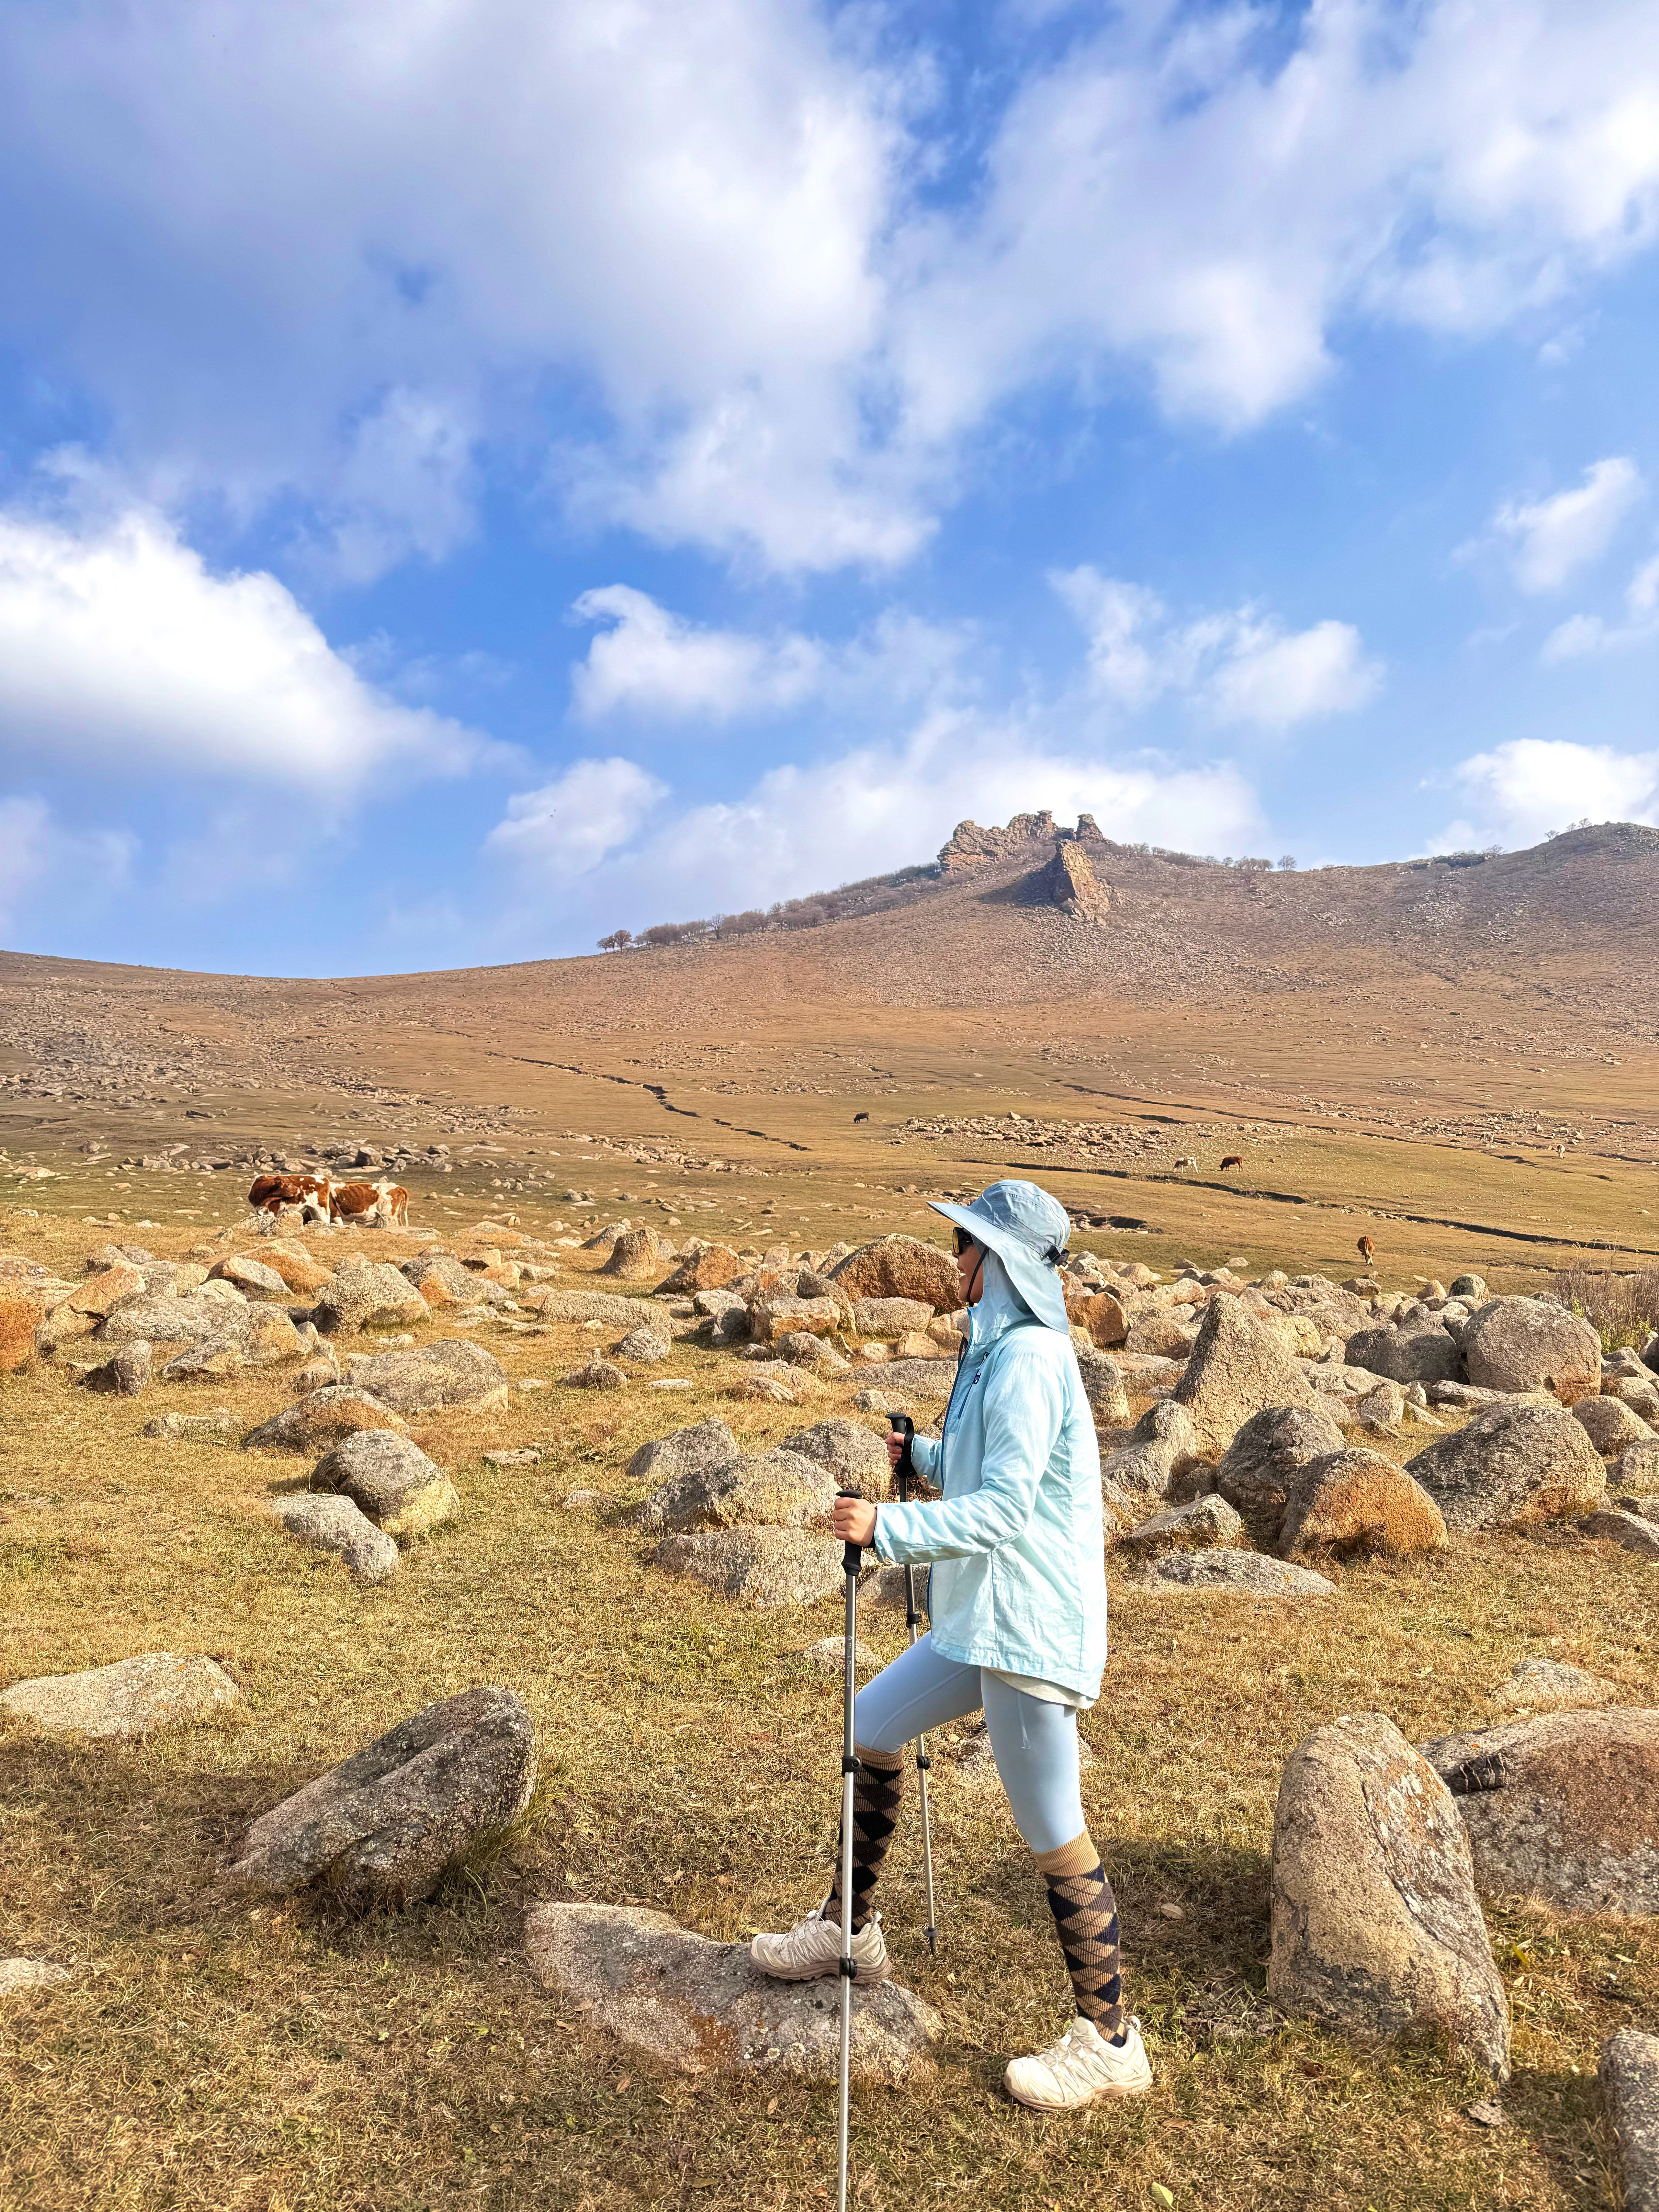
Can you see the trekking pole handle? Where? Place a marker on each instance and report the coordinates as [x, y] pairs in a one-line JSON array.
[[851, 1554], [904, 1471]]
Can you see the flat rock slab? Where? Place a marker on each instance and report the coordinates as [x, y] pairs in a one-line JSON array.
[[1564, 1807], [132, 1698], [1550, 1686], [450, 1372], [776, 1489], [694, 1450], [1252, 1572], [391, 1818], [29, 1974], [763, 1567], [1629, 2085], [335, 1524], [703, 2009], [1632, 1531], [556, 1305], [334, 1410]]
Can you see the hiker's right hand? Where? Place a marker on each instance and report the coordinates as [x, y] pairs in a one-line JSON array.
[[895, 1448]]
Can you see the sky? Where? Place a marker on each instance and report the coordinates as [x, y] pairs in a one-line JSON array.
[[478, 474]]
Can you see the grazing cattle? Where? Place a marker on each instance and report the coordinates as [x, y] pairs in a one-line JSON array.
[[1367, 1251], [1233, 1160], [394, 1204], [371, 1203], [857, 1118], [1187, 1161], [274, 1193]]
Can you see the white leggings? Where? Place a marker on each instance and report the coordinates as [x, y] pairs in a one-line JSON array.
[[1034, 1742]]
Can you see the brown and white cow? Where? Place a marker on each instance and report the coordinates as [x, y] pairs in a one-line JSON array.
[[369, 1203], [274, 1193]]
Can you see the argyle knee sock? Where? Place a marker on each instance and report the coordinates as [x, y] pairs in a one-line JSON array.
[[877, 1788], [1085, 1920]]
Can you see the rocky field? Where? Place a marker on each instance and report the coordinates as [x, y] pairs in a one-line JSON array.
[[421, 1666]]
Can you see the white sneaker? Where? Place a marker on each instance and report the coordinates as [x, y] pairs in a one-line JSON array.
[[812, 1947], [1081, 2067]]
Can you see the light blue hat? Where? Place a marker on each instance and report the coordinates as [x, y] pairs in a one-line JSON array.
[[1027, 1229]]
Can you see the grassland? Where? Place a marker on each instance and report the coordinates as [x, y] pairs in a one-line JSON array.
[[210, 2053]]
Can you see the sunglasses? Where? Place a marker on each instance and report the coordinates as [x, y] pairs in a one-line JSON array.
[[965, 1242]]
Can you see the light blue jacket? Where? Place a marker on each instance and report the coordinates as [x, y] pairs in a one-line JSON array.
[[1019, 1575]]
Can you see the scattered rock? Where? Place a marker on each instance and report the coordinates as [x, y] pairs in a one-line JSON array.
[[133, 1697], [1251, 1572], [1359, 1502], [391, 1479], [368, 1294], [597, 1375], [556, 1305], [1239, 1367], [1532, 1344], [1423, 1353], [29, 1974], [252, 1277], [1376, 1928], [127, 1374], [298, 1268], [886, 1589], [450, 1372], [1270, 1449], [1205, 1520], [1564, 1806], [1165, 1333], [855, 1455], [829, 1656], [929, 1379], [1512, 1466], [890, 1316], [217, 1424], [390, 1818], [646, 1345], [334, 1411], [1629, 2088], [1472, 1289], [765, 1567], [1638, 1466], [1633, 1530], [777, 1489], [694, 1450], [639, 1256], [1103, 1386], [900, 1267], [1102, 1315], [1383, 1407], [1611, 1426], [702, 2007], [444, 1281], [335, 1524], [1163, 1444], [101, 1293], [703, 1267], [1549, 1686], [163, 1317]]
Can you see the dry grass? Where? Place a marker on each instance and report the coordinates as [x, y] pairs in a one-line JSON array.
[[1625, 1308], [212, 2054]]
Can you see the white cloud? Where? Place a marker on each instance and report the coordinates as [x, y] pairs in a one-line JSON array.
[[1550, 539], [1526, 790], [1581, 636], [1239, 667], [569, 826], [334, 251], [649, 661], [119, 647], [38, 858]]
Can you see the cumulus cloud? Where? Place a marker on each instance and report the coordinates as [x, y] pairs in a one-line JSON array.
[[685, 249], [568, 826], [119, 647], [1549, 540], [1526, 790], [1241, 667], [39, 858], [1581, 636], [647, 661]]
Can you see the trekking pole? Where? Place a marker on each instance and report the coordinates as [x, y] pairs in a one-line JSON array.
[[904, 1474], [850, 1560]]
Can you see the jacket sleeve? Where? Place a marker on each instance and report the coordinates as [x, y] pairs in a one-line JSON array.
[[1024, 1407], [924, 1455]]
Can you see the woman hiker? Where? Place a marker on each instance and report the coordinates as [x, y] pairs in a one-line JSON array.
[[1016, 1599]]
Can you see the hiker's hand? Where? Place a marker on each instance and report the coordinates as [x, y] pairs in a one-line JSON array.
[[896, 1444], [854, 1520]]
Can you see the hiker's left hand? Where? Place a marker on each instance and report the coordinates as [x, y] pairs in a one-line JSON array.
[[854, 1520]]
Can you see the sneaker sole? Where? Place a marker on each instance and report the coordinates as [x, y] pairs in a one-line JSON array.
[[880, 1973], [1108, 2094]]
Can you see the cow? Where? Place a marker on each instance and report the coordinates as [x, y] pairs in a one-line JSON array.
[[1367, 1251], [394, 1205], [1233, 1160], [1187, 1161], [274, 1193], [381, 1204], [857, 1118]]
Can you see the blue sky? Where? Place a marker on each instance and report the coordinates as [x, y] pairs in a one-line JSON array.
[[476, 475]]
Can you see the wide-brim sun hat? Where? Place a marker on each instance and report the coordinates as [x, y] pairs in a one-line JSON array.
[[1027, 1229]]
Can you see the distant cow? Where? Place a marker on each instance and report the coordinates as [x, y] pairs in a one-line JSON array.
[[857, 1118], [371, 1202], [1367, 1251], [1187, 1161], [394, 1204], [274, 1193], [1233, 1160]]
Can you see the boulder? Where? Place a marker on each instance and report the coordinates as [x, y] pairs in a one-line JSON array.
[[1239, 1367], [334, 1411], [450, 1372], [389, 1478], [553, 1304], [1104, 1385], [647, 1345], [900, 1267], [163, 1317], [1564, 1806], [702, 2007], [1165, 1333], [776, 1489], [928, 1379], [1630, 2089], [369, 1294], [595, 1375], [1350, 1503], [102, 1293], [127, 1373], [1532, 1344], [783, 1314], [1376, 1929], [1101, 1314], [29, 1974], [1217, 1569], [1637, 1466], [1512, 1466], [639, 1256], [1204, 1521], [335, 1524], [1472, 1289], [1270, 1449], [299, 1269], [890, 1316], [133, 1697], [252, 1278], [801, 1349], [1162, 1445], [248, 1336], [703, 1267], [1611, 1426], [1630, 1528], [885, 1589], [198, 1426], [1550, 1686], [444, 1281], [1423, 1353], [391, 1818], [856, 1457], [696, 1451], [765, 1567], [1383, 1407]]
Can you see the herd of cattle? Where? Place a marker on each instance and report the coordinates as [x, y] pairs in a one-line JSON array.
[[319, 1198]]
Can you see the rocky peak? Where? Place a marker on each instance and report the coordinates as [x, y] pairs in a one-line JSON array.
[[1070, 882], [970, 847]]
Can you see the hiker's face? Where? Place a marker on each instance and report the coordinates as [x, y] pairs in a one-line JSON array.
[[970, 1269]]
